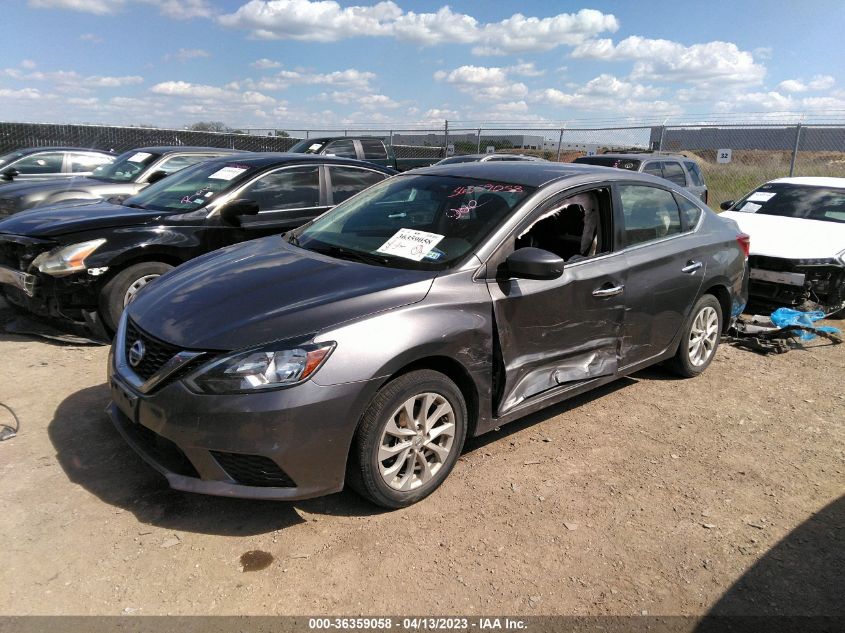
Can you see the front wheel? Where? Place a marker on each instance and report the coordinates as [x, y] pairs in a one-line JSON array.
[[700, 338], [120, 291], [409, 439]]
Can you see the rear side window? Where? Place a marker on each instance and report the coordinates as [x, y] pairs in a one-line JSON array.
[[673, 172], [690, 211], [81, 163], [373, 149], [49, 163], [650, 214], [347, 181], [294, 188], [344, 148], [695, 173], [610, 161], [654, 169]]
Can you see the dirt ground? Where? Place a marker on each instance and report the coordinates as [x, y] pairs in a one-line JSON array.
[[720, 494]]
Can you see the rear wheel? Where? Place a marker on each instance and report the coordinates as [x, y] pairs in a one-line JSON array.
[[700, 338], [121, 290], [409, 439]]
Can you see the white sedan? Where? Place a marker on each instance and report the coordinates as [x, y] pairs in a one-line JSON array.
[[797, 229]]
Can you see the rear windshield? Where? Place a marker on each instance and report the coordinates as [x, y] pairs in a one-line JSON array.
[[610, 161], [413, 221], [826, 204], [126, 167]]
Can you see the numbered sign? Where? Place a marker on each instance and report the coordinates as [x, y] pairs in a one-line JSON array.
[[450, 149], [592, 150], [491, 149], [723, 155]]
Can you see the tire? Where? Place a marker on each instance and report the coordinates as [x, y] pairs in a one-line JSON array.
[[406, 475], [120, 289], [691, 360]]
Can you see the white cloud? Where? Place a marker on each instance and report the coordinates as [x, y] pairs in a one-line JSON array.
[[351, 77], [28, 64], [328, 21], [206, 93], [526, 70], [185, 54], [97, 7], [29, 94], [184, 9], [484, 83], [265, 64], [664, 60], [70, 78], [178, 9], [819, 82], [90, 37], [608, 93], [366, 101]]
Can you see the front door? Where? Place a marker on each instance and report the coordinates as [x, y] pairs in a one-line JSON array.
[[556, 333]]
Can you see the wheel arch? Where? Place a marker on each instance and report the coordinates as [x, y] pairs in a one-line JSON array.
[[723, 296]]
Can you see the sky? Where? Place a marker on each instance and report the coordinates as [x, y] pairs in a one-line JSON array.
[[317, 64]]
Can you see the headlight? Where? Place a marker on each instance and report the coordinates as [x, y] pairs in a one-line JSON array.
[[260, 370], [819, 261], [65, 260]]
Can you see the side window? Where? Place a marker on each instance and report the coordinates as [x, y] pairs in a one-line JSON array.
[[650, 213], [343, 148], [690, 211], [175, 163], [695, 173], [572, 227], [48, 163], [294, 188], [373, 149], [673, 172], [347, 181], [83, 163], [654, 169]]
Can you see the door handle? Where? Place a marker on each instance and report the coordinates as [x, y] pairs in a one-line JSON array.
[[691, 266], [608, 291]]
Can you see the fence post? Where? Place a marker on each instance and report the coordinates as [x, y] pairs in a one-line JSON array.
[[391, 139], [559, 144], [306, 133], [660, 142], [446, 138], [795, 150], [478, 145]]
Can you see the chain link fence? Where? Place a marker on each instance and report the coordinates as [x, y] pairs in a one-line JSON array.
[[734, 158]]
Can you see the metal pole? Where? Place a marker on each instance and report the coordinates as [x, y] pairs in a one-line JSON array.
[[559, 144], [391, 139], [660, 142], [795, 150], [446, 138], [306, 133], [478, 145]]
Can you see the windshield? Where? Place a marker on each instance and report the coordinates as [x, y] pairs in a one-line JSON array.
[[307, 146], [795, 201], [413, 221], [191, 188], [126, 167], [610, 161]]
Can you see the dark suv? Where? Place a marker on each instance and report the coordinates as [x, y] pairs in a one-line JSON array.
[[127, 175], [675, 168], [85, 263]]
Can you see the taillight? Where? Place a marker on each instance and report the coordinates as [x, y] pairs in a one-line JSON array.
[[744, 241]]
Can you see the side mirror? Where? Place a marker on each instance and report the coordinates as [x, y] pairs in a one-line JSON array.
[[233, 211], [156, 176], [727, 204], [534, 263], [9, 174]]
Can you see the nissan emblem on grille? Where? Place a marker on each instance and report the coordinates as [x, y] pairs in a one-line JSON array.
[[136, 353]]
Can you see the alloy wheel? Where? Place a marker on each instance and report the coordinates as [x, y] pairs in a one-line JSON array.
[[703, 336]]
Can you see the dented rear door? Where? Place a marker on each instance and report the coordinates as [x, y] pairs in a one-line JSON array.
[[555, 333]]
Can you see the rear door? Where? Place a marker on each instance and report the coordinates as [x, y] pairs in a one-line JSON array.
[[665, 271], [557, 333]]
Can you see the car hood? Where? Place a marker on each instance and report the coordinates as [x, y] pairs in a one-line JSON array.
[[267, 290], [55, 221], [790, 238]]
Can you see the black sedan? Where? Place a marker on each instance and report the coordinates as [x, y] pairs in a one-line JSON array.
[[127, 175], [85, 263], [364, 347], [48, 163]]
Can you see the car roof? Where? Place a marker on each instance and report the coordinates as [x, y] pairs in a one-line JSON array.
[[528, 173], [187, 149], [33, 150], [263, 159], [324, 139], [639, 156], [497, 155], [811, 181]]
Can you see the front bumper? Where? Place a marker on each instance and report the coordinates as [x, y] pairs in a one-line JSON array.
[[286, 444], [68, 298], [786, 282]]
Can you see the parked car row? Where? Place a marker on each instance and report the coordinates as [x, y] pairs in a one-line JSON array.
[[315, 321]]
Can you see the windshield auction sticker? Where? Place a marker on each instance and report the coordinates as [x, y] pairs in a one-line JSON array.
[[139, 157], [227, 173], [761, 196], [410, 244]]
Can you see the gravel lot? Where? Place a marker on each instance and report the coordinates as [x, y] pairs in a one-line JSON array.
[[656, 495]]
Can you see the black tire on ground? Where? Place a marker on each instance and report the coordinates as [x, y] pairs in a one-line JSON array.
[[113, 294], [682, 363], [362, 472]]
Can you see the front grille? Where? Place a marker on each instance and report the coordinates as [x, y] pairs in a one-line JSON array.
[[156, 353], [162, 450], [253, 470]]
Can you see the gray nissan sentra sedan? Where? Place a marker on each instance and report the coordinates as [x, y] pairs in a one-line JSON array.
[[367, 345]]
